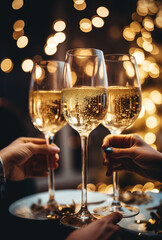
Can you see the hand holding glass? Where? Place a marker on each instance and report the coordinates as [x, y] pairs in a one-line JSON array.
[[46, 113], [124, 105]]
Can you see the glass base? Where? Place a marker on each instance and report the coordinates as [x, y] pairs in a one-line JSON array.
[[78, 220], [50, 211], [126, 211]]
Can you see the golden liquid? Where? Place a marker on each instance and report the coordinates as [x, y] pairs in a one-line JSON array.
[[45, 110], [124, 107], [84, 107]]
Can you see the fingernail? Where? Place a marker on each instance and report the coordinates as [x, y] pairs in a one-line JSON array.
[[108, 150]]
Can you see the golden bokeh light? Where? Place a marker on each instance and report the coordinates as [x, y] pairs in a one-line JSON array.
[[89, 68], [50, 50], [60, 36], [136, 26], [6, 65], [22, 41], [59, 25], [80, 5], [17, 4], [146, 65], [139, 55], [147, 46], [86, 30], [143, 74], [27, 65], [129, 68], [153, 8], [158, 19], [52, 67], [17, 34], [102, 11], [148, 23], [152, 121], [19, 25], [73, 78], [149, 105], [97, 22], [154, 71], [142, 9], [39, 73], [78, 1], [150, 138], [85, 25], [52, 41], [156, 96], [128, 34]]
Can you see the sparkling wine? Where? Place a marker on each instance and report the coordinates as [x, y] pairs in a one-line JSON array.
[[84, 107], [124, 105], [46, 111]]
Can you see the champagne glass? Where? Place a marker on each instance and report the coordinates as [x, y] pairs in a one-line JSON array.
[[84, 99], [46, 114], [124, 106]]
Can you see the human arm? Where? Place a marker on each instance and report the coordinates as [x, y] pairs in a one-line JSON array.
[[27, 157], [131, 153], [105, 228]]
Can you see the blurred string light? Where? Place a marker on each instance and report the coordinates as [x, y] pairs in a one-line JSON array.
[[148, 15], [18, 28], [85, 25], [53, 40], [96, 20], [80, 5], [27, 65], [18, 34], [6, 65], [22, 41], [17, 4], [150, 117]]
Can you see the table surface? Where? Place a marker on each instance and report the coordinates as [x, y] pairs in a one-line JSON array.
[[21, 208]]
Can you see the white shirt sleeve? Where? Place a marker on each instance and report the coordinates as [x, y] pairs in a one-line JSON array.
[[2, 180]]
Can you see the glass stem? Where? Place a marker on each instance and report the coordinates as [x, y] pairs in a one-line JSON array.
[[115, 187], [115, 201], [84, 145], [51, 177]]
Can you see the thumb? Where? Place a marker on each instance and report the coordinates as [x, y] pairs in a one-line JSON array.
[[114, 217]]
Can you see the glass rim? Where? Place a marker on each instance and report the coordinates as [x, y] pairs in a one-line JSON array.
[[120, 55], [96, 52]]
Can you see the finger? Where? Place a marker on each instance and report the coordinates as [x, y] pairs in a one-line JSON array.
[[117, 140], [42, 149], [56, 157], [33, 140], [114, 217], [119, 152]]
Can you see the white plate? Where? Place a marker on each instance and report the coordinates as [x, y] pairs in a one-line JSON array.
[[22, 207]]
